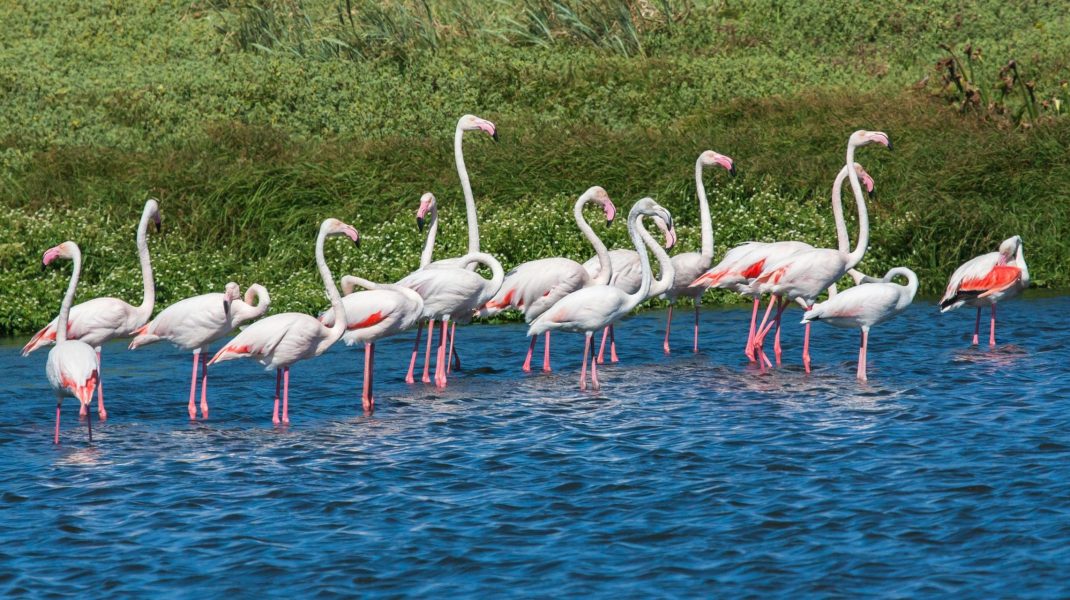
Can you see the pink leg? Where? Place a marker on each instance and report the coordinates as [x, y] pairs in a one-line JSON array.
[[286, 395], [776, 339], [453, 334], [862, 355], [278, 383], [546, 354], [369, 376], [193, 388], [602, 347], [806, 344], [668, 326], [89, 427], [977, 326], [100, 391], [763, 329], [612, 344], [56, 439], [415, 350], [440, 362], [531, 350], [749, 350], [992, 328], [204, 389], [756, 342], [588, 345], [695, 348], [594, 368], [427, 351]]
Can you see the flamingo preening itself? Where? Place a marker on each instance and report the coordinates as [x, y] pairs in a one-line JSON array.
[[72, 368], [534, 286], [279, 341], [987, 279], [595, 307], [99, 320], [872, 302], [195, 322], [690, 265]]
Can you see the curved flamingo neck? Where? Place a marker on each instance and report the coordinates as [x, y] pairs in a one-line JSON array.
[[68, 298], [912, 279], [429, 245], [704, 213], [843, 242], [339, 326], [665, 266], [644, 262], [466, 186], [149, 297], [497, 273], [855, 257], [244, 309], [605, 267], [1019, 261]]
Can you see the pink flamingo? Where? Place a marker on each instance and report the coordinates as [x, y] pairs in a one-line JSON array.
[[99, 320], [194, 323], [987, 279], [72, 367], [534, 286], [690, 265], [863, 306], [804, 276], [453, 293], [593, 308], [279, 341], [380, 312]]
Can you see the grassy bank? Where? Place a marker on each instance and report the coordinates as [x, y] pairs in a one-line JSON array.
[[253, 121]]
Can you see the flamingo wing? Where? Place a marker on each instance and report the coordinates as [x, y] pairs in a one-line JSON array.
[[860, 305], [264, 338], [447, 291], [375, 314], [587, 309], [975, 277], [93, 321], [189, 323]]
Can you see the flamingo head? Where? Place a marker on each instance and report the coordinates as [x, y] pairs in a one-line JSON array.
[[231, 293], [1008, 249], [647, 206], [427, 202], [863, 137], [867, 181], [472, 123], [710, 158], [152, 208], [598, 195], [64, 250], [335, 227], [668, 231]]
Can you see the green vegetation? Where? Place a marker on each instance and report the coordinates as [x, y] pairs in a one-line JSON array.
[[253, 120]]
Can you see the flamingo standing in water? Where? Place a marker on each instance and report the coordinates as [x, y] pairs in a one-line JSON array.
[[99, 320], [72, 367], [194, 323], [279, 341], [536, 285], [593, 308], [863, 306], [987, 279], [379, 312], [690, 265], [804, 276]]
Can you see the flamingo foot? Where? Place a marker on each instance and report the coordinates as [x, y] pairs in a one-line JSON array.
[[104, 414], [192, 411]]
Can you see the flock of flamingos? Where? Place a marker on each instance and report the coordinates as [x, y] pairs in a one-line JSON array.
[[552, 293]]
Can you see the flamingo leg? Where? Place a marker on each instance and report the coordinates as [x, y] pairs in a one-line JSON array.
[[992, 328], [415, 350], [612, 344], [204, 389], [531, 350], [602, 347], [759, 336], [862, 354], [456, 361], [59, 401], [749, 350], [546, 354], [453, 334], [440, 361], [776, 339], [781, 305], [977, 326], [100, 390], [286, 395], [695, 347], [193, 387], [278, 381], [367, 400], [89, 426], [594, 367], [427, 351], [588, 345], [668, 326], [806, 344]]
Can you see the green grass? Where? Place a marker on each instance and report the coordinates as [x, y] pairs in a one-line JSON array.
[[253, 121]]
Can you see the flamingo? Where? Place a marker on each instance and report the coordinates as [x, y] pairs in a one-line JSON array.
[[804, 276], [380, 312], [99, 320], [536, 285], [743, 263], [866, 305], [453, 293], [195, 322], [690, 265], [987, 279], [279, 341], [72, 367], [595, 307]]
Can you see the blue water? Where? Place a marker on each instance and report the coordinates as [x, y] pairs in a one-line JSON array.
[[949, 473]]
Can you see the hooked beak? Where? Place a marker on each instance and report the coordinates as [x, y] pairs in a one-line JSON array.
[[159, 226], [494, 136], [732, 171], [889, 142], [226, 307], [609, 222], [420, 224]]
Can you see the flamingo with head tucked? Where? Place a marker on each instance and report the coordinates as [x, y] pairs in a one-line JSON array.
[[72, 367], [195, 322], [986, 280], [99, 320], [690, 265], [279, 341], [534, 286], [593, 308]]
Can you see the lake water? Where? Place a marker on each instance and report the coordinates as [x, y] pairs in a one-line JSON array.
[[689, 475]]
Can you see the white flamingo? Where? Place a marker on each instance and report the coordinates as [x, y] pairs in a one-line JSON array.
[[536, 285], [986, 280], [593, 308], [690, 265], [194, 323], [863, 306], [99, 320], [72, 367], [279, 341]]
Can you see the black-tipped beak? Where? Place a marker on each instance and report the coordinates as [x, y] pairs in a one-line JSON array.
[[609, 222], [357, 241], [159, 227], [732, 171], [226, 307], [43, 265], [871, 193], [420, 224], [889, 142], [494, 136]]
